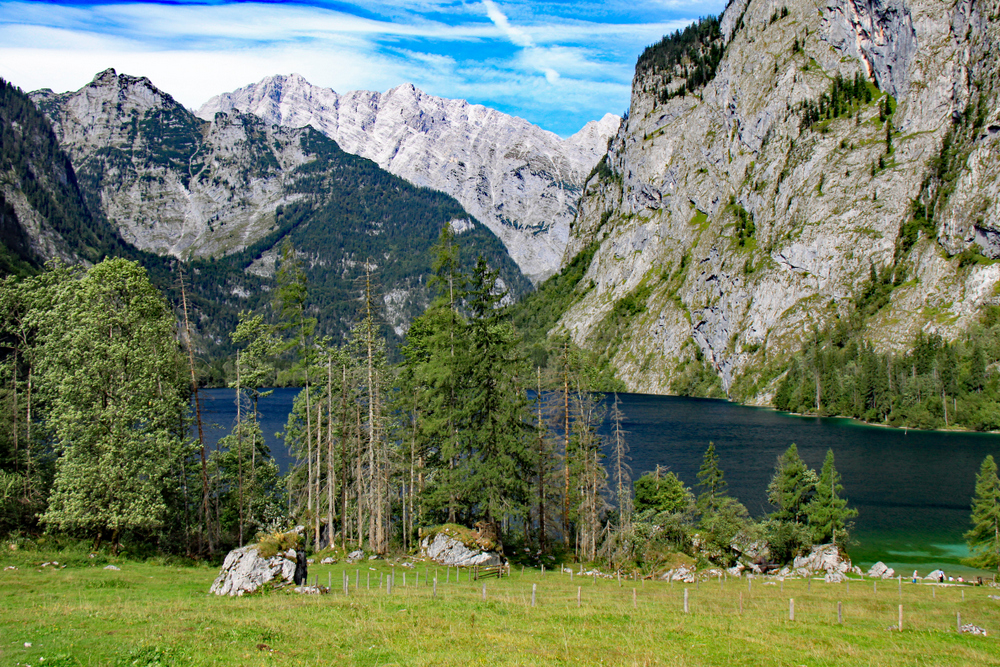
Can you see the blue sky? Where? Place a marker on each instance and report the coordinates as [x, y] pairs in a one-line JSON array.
[[558, 64]]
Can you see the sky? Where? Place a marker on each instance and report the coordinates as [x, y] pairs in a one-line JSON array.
[[558, 64]]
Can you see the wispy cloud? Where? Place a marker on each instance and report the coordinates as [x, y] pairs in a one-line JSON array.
[[556, 64]]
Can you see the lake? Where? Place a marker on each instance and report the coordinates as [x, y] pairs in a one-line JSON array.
[[912, 489]]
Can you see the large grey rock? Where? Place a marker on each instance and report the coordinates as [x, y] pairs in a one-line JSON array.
[[245, 570], [881, 571], [521, 181], [823, 558], [448, 550]]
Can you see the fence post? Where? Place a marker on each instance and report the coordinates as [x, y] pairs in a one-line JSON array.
[[741, 603], [347, 583], [369, 581], [435, 593], [958, 622], [578, 596], [484, 592], [791, 609], [329, 580], [388, 585], [840, 613], [619, 578], [900, 618], [571, 575], [533, 588], [686, 601]]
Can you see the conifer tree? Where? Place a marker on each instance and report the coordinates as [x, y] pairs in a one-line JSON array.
[[791, 487], [711, 480], [984, 538], [828, 513]]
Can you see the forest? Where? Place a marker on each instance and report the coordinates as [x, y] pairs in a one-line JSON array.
[[100, 444]]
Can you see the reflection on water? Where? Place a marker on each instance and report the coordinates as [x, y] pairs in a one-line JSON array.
[[912, 488]]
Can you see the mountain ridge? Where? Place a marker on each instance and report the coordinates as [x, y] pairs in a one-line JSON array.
[[521, 181]]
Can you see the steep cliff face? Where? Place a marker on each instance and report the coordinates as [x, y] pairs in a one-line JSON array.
[[519, 180], [175, 184], [43, 212], [735, 219]]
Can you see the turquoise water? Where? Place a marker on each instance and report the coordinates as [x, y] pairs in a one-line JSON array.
[[912, 488]]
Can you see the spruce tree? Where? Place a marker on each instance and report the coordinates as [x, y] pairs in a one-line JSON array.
[[711, 480], [791, 487], [827, 512], [984, 538]]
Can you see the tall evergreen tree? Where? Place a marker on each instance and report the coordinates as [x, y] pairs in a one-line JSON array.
[[984, 538], [498, 416], [711, 481], [792, 487], [828, 513]]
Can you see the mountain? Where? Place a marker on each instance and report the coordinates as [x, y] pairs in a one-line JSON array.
[[43, 211], [519, 180], [778, 164], [225, 194]]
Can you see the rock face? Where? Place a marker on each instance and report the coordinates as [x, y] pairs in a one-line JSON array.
[[448, 550], [519, 180], [175, 184], [737, 226], [244, 571]]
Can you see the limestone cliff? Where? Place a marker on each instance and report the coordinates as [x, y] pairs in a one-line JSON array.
[[519, 180], [172, 183], [739, 216]]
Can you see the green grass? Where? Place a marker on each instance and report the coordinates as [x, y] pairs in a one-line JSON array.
[[162, 615]]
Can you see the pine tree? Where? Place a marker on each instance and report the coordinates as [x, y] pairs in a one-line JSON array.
[[498, 415], [791, 487], [828, 513], [711, 480], [984, 538]]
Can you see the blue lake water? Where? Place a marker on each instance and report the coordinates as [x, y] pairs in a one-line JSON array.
[[912, 489]]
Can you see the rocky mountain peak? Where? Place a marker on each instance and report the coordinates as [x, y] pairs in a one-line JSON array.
[[521, 181]]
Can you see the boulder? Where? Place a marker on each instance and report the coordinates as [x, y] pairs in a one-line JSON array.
[[245, 570], [111, 567], [355, 556], [684, 574], [971, 629], [823, 558], [329, 560], [936, 575], [834, 577], [448, 550], [880, 571]]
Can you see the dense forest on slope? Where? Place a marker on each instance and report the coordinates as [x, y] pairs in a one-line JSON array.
[[691, 55]]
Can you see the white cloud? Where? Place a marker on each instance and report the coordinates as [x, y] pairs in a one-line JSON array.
[[555, 70]]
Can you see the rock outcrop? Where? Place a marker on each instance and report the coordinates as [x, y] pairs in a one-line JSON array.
[[245, 570], [516, 178], [736, 225], [824, 558], [449, 550]]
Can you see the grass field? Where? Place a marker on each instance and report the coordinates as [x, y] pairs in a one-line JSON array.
[[153, 614]]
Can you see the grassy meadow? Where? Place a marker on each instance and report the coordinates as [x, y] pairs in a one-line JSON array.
[[161, 614]]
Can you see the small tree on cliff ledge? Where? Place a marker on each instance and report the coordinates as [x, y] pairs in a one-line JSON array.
[[984, 538]]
